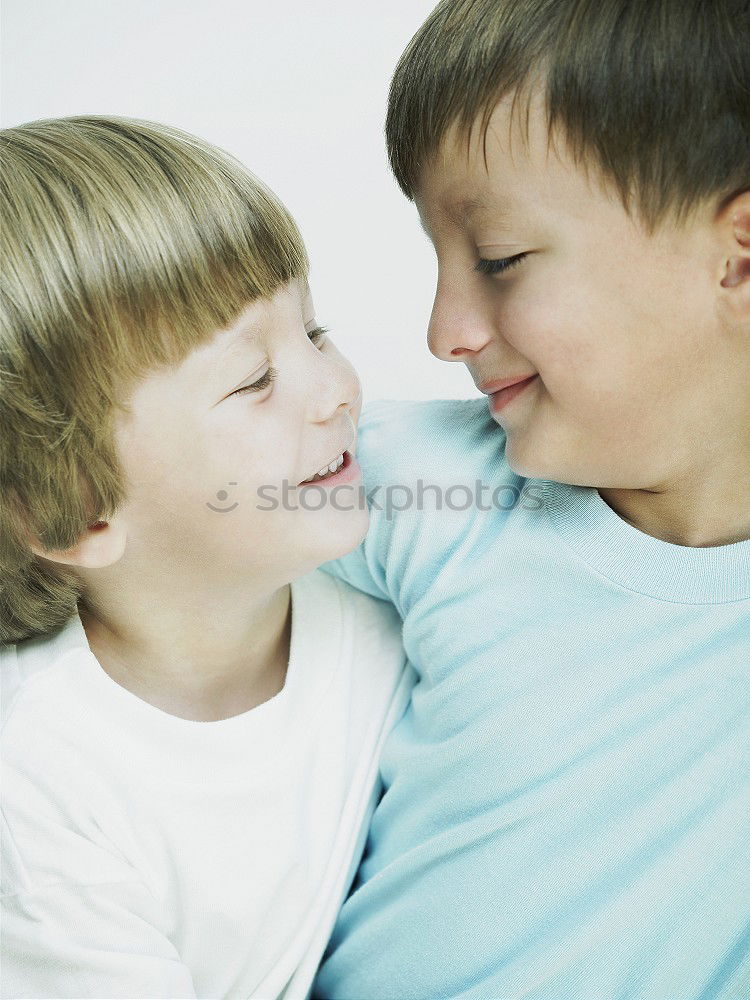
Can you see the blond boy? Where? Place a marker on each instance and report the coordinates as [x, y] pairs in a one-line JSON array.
[[192, 712]]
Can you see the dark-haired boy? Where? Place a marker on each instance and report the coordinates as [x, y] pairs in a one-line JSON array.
[[566, 812]]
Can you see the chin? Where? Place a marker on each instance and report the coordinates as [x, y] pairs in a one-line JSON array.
[[339, 535], [545, 456], [527, 466]]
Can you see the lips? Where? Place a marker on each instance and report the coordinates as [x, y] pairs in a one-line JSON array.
[[502, 398], [342, 451], [495, 386], [349, 472]]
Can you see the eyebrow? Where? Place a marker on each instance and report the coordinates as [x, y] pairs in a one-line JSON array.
[[503, 208], [247, 335], [461, 213], [244, 337], [466, 208], [232, 351]]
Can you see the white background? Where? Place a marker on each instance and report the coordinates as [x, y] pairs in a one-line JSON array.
[[297, 90]]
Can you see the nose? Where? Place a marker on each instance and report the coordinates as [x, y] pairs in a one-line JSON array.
[[460, 324], [336, 390]]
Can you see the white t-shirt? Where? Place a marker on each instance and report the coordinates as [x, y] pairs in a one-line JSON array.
[[145, 855]]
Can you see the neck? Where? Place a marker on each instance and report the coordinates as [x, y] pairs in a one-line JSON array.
[[201, 655], [699, 511]]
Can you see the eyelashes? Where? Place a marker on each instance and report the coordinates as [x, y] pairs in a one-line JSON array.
[[271, 373], [499, 266], [262, 383]]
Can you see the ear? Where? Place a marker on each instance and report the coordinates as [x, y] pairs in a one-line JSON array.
[[734, 225], [100, 545]]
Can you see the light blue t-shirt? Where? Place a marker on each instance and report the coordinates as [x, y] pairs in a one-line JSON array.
[[566, 813]]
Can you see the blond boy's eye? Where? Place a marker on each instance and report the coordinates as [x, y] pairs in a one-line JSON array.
[[317, 334], [263, 383]]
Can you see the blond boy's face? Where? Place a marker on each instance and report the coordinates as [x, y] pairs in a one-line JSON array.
[[207, 466], [637, 373]]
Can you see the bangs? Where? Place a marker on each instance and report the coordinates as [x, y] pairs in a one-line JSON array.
[[652, 97], [456, 68], [146, 240]]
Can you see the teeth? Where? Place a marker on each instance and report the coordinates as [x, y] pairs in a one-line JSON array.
[[332, 467], [327, 470]]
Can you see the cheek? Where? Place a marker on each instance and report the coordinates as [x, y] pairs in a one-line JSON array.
[[551, 329], [587, 312], [245, 450], [153, 461], [176, 471]]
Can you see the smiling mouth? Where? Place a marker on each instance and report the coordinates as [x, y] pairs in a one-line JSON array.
[[503, 397], [490, 388], [341, 461], [344, 468]]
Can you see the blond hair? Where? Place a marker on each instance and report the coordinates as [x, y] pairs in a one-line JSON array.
[[654, 94], [125, 244]]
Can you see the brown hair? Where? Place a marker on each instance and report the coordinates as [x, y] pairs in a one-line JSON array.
[[654, 93], [125, 244]]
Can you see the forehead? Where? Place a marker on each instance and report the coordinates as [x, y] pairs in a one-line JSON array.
[[207, 366], [261, 318], [514, 167]]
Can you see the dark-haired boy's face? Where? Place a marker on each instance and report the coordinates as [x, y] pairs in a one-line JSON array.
[[638, 376]]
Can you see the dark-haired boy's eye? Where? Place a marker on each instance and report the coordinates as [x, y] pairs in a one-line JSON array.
[[498, 266]]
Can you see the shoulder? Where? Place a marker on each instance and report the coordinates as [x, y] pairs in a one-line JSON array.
[[401, 440], [370, 615], [34, 662], [48, 742], [374, 625], [57, 799], [365, 613]]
